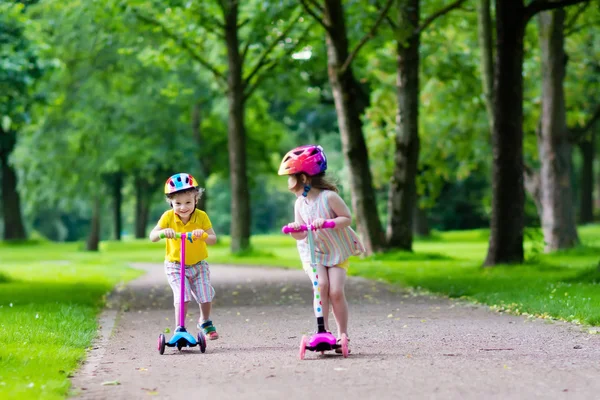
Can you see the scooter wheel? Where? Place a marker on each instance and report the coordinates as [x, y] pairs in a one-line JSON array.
[[201, 342], [344, 344], [303, 343], [161, 343]]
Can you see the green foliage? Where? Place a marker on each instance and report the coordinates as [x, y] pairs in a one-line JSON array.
[[454, 143], [96, 88], [20, 68]]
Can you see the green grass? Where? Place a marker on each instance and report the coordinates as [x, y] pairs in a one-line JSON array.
[[56, 290], [50, 296]]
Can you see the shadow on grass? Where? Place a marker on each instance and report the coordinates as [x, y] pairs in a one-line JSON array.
[[47, 292], [589, 276], [253, 253], [4, 278], [22, 243], [407, 256]]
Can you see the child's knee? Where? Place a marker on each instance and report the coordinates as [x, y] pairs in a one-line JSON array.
[[324, 286], [336, 294]]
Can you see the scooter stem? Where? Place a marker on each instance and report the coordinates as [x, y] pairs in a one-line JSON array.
[[182, 283]]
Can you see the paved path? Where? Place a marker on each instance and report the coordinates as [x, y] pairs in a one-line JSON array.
[[403, 347]]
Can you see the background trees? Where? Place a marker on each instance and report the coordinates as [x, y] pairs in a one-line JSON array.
[[102, 102]]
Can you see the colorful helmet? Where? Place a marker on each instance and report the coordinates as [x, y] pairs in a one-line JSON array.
[[179, 182], [309, 159]]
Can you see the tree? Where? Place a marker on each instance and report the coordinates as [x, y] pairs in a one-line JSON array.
[[508, 196], [257, 30], [403, 188], [350, 103], [21, 69], [586, 140], [558, 213], [582, 87], [486, 48], [453, 144], [102, 103]]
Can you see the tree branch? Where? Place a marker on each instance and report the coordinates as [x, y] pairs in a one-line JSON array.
[[317, 5], [252, 87], [428, 21], [390, 21], [213, 25], [243, 23], [571, 22], [578, 28], [183, 43], [221, 4], [367, 37], [313, 14], [538, 6], [262, 61], [577, 132], [245, 50]]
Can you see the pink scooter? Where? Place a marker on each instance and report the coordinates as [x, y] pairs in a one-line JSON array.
[[322, 340]]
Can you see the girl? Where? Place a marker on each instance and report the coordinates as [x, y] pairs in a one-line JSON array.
[[318, 201], [182, 193]]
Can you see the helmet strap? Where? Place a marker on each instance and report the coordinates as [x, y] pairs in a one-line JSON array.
[[306, 190]]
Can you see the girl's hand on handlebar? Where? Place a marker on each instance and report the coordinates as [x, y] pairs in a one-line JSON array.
[[197, 233], [294, 225], [169, 233], [318, 223]]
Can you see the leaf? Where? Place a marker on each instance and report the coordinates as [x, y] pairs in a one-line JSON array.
[[6, 123], [111, 383]]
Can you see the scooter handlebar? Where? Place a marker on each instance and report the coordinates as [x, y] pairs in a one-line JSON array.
[[185, 235], [326, 225]]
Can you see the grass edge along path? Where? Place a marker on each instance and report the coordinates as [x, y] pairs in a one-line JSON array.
[[49, 314]]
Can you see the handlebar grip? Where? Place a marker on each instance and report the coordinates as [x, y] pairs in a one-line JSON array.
[[329, 224], [185, 235]]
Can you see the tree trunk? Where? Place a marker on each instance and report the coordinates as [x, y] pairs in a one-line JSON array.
[[236, 134], [558, 212], [403, 188], [117, 184], [349, 105], [586, 205], [507, 220], [203, 158], [14, 228], [486, 59], [93, 241], [421, 224], [533, 186], [142, 207]]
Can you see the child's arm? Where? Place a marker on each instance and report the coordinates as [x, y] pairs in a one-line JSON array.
[[339, 208], [299, 221], [155, 233], [212, 236]]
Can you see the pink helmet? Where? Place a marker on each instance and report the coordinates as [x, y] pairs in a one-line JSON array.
[[309, 159]]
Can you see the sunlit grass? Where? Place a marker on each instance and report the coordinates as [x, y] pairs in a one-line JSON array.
[[50, 296]]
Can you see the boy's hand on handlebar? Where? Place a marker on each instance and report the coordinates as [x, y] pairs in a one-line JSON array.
[[169, 233], [318, 223], [197, 233]]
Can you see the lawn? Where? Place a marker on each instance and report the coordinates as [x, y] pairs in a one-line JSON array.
[[50, 294]]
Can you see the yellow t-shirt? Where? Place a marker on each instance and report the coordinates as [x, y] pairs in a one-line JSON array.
[[194, 252]]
